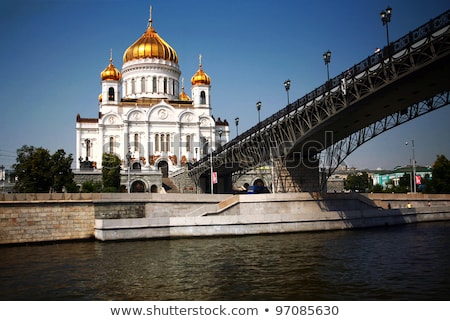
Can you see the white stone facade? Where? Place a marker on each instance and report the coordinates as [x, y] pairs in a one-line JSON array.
[[143, 111]]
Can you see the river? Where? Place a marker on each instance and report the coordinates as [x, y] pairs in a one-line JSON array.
[[408, 262]]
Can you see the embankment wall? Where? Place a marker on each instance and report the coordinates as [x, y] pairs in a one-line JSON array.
[[28, 218]]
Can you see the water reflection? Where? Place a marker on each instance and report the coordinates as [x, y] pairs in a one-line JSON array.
[[395, 263]]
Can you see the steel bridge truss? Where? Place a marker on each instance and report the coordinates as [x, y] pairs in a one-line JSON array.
[[335, 154], [322, 128]]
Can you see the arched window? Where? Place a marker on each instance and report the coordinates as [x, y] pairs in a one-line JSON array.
[[88, 147], [111, 145], [111, 93], [188, 143], [162, 143], [156, 142], [155, 87], [167, 142], [143, 85], [165, 85], [133, 86], [202, 97], [136, 142]]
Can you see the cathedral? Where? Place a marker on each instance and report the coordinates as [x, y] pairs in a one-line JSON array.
[[146, 120]]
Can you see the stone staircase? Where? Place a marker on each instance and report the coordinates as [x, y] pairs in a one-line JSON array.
[[169, 185]]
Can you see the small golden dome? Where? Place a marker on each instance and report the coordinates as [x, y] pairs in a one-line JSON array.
[[184, 96], [111, 72], [200, 77], [150, 45], [100, 98]]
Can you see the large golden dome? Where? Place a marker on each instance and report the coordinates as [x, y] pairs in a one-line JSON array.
[[200, 77], [111, 72], [150, 45]]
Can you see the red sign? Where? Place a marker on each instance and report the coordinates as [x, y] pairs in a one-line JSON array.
[[214, 178], [418, 180]]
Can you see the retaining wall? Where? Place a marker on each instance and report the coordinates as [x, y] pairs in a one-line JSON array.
[[27, 218]]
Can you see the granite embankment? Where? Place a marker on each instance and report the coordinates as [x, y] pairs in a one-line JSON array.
[[28, 218]]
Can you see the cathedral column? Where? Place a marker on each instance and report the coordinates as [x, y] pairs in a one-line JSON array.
[[146, 142], [77, 162], [101, 147], [180, 141], [126, 139]]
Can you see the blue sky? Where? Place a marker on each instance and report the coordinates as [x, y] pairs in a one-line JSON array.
[[53, 51]]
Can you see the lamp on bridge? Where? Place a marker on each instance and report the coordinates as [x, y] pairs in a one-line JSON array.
[[236, 120], [413, 168], [258, 108], [385, 19], [327, 59], [287, 86]]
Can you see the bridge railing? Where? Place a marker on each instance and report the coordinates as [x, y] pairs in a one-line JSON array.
[[422, 32]]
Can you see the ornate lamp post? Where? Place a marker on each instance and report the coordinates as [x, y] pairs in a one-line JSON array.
[[128, 156], [327, 59], [413, 161], [385, 19], [287, 86], [236, 120], [258, 108]]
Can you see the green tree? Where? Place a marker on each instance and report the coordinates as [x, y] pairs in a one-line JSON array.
[[39, 172], [91, 187], [440, 181], [60, 167], [111, 172], [357, 182]]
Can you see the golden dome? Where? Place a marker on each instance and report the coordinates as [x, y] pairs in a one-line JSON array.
[[200, 77], [100, 98], [150, 45], [111, 72]]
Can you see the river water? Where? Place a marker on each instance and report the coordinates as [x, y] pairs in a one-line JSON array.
[[410, 262]]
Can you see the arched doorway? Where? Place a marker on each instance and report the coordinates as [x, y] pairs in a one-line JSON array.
[[154, 189], [137, 187], [136, 166], [164, 166], [259, 182]]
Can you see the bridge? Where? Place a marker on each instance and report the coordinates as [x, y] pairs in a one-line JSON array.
[[305, 142]]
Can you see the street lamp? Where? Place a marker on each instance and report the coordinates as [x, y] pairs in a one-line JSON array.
[[2, 177], [327, 59], [413, 161], [385, 19], [258, 107], [236, 120], [129, 165], [287, 86]]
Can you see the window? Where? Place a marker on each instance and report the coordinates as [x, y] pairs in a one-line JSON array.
[[165, 85], [111, 145], [133, 86], [202, 98], [188, 143], [155, 87], [88, 147], [136, 142], [156, 142], [143, 85], [162, 143], [111, 93]]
